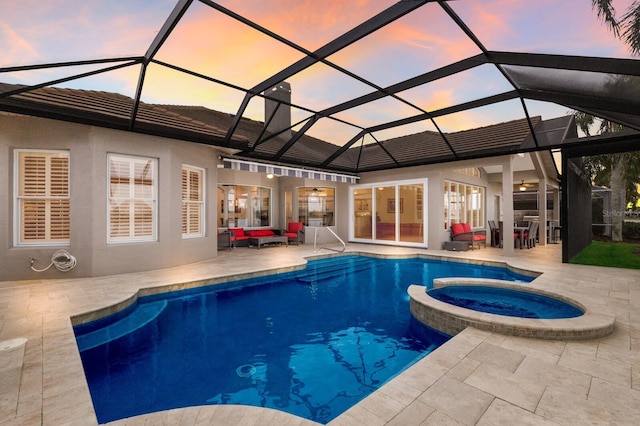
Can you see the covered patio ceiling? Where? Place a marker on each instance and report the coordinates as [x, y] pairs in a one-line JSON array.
[[374, 85]]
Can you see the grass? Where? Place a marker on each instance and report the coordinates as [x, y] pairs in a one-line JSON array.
[[615, 255]]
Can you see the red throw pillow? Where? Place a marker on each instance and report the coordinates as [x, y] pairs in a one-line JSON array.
[[239, 232], [261, 233], [466, 227], [294, 227], [457, 228]]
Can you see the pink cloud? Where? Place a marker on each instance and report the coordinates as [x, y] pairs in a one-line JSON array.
[[17, 50]]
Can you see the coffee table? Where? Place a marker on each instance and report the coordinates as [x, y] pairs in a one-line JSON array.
[[260, 241]]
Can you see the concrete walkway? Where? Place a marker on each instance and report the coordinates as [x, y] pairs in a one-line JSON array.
[[476, 378]]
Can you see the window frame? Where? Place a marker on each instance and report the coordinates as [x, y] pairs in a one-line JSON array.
[[303, 213], [18, 200], [462, 214], [200, 202], [239, 204], [132, 159]]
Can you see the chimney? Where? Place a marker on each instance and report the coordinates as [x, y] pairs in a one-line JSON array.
[[282, 118]]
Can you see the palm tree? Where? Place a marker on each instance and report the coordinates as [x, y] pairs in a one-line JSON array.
[[621, 170], [627, 28]]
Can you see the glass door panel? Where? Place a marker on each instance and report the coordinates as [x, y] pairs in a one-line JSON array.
[[386, 207], [411, 213], [362, 208]]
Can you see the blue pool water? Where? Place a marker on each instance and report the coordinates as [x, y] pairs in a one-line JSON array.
[[312, 342], [503, 301]]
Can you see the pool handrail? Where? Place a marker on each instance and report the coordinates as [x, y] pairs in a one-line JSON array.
[[315, 238]]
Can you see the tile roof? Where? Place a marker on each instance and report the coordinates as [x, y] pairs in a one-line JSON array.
[[203, 125]]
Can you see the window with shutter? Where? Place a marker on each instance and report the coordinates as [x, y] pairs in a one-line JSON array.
[[132, 198], [192, 202], [42, 197]]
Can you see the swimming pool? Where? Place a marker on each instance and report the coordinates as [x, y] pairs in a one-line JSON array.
[[312, 342]]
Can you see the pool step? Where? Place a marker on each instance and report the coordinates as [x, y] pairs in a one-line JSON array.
[[335, 263], [331, 271], [141, 316]]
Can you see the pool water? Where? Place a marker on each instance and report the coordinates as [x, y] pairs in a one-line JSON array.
[[312, 342], [503, 301]]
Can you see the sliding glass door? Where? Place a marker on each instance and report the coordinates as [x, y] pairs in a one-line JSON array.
[[389, 212]]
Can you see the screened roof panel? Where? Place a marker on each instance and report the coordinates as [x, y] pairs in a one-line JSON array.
[[69, 30], [559, 27], [405, 130], [321, 86], [373, 85], [475, 83], [424, 40], [224, 48], [333, 131], [481, 116], [186, 89], [303, 22], [378, 112]]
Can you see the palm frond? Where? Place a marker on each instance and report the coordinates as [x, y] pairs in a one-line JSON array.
[[630, 24], [607, 14]]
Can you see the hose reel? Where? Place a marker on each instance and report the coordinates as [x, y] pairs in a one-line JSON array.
[[61, 259]]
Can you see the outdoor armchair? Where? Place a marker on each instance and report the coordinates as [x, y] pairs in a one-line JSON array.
[[295, 232], [463, 232]]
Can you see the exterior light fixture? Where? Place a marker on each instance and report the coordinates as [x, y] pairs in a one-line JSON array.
[[522, 187], [269, 175]]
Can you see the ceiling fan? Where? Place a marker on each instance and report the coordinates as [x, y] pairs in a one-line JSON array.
[[524, 186]]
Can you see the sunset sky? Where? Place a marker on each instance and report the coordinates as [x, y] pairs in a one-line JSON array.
[[208, 42]]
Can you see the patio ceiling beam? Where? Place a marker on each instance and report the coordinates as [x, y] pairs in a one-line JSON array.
[[70, 64], [566, 62], [600, 103]]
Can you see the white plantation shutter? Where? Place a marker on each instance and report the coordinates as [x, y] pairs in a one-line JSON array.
[[192, 201], [132, 198], [43, 197]]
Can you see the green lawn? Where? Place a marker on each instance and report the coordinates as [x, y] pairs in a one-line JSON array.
[[616, 255]]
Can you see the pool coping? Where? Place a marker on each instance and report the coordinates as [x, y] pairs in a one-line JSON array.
[[451, 319]]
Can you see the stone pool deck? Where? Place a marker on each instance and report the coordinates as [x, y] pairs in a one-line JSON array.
[[477, 378]]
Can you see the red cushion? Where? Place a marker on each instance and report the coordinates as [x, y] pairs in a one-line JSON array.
[[479, 238], [290, 235], [457, 228], [294, 227], [239, 232], [261, 233], [466, 227]]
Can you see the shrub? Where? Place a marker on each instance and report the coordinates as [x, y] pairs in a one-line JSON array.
[[631, 230]]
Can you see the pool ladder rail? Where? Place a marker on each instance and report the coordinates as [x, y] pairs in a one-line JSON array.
[[315, 239]]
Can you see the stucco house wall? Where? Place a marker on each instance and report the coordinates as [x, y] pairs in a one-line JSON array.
[[88, 147]]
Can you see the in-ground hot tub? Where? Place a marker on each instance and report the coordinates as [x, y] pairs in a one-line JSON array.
[[480, 312], [505, 301]]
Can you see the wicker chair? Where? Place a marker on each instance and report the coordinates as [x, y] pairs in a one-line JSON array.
[[295, 232], [463, 232]]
